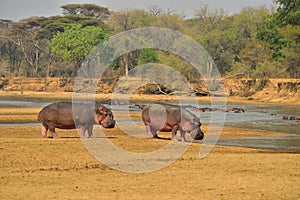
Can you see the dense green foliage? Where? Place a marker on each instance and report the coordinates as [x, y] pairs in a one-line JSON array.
[[255, 43], [76, 42]]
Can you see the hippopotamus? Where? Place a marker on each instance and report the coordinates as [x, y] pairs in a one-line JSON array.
[[60, 115], [171, 118], [236, 110]]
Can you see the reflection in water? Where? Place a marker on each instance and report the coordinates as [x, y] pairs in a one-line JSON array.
[[10, 103], [19, 124], [259, 117], [272, 143]]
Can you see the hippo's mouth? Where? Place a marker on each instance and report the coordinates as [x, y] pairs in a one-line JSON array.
[[198, 136], [108, 125]]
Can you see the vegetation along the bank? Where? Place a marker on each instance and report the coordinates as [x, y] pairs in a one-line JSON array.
[[254, 43]]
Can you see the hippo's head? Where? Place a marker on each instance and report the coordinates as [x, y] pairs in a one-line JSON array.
[[197, 133], [105, 117]]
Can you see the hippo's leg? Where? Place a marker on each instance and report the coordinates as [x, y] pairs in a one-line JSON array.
[[90, 130], [182, 135], [44, 130], [52, 132], [174, 131], [82, 132], [151, 132]]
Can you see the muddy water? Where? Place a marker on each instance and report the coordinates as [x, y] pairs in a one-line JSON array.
[[257, 117], [261, 117], [265, 118]]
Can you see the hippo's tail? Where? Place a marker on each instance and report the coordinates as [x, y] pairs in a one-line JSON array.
[[39, 118], [40, 115]]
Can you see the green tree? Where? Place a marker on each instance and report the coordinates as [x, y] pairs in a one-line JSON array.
[[10, 54], [209, 16], [171, 21], [148, 56], [288, 15], [224, 37], [75, 43], [257, 62], [129, 19], [34, 50], [53, 25], [280, 33], [291, 51], [268, 31], [288, 12], [89, 10], [126, 20]]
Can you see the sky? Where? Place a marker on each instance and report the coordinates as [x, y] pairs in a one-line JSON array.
[[21, 9]]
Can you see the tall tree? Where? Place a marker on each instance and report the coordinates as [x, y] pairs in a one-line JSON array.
[[268, 31], [291, 52], [90, 10], [53, 25], [9, 51], [288, 11], [126, 20], [23, 34], [208, 15], [75, 43]]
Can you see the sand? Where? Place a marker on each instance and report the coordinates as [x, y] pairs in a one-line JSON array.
[[36, 168]]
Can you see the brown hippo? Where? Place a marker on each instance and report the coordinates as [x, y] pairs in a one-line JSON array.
[[170, 118], [60, 115], [236, 110]]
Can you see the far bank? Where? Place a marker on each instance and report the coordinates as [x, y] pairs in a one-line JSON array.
[[244, 91]]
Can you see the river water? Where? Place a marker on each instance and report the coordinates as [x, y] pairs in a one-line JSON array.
[[267, 118]]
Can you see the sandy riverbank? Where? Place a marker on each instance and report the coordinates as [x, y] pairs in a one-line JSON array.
[[37, 168]]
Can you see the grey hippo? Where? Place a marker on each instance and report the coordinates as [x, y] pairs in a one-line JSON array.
[[86, 114], [171, 118]]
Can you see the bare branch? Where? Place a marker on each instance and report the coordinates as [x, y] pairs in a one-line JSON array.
[[5, 37]]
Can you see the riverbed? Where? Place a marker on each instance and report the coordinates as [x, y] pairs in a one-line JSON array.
[[64, 168], [258, 117]]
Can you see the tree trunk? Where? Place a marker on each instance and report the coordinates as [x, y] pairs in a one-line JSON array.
[[125, 60]]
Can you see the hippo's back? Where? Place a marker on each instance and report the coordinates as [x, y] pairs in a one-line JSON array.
[[57, 115], [162, 112], [55, 109]]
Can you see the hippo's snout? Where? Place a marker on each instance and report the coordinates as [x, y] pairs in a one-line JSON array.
[[198, 136], [110, 124]]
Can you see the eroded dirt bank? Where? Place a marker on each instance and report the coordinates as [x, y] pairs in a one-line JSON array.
[[277, 91]]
